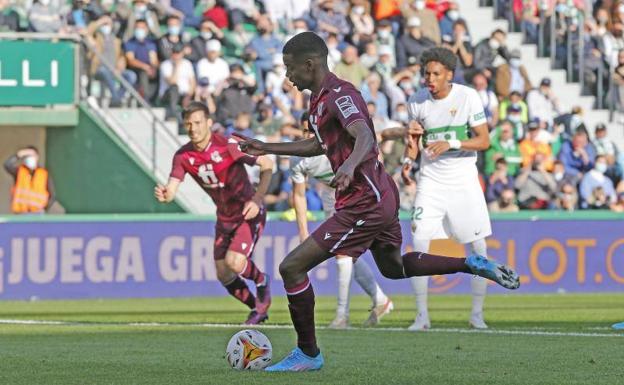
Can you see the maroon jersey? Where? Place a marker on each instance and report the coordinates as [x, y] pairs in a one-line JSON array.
[[334, 108], [220, 171]]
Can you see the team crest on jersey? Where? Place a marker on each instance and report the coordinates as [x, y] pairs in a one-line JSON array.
[[191, 161], [346, 106], [216, 157], [453, 111]]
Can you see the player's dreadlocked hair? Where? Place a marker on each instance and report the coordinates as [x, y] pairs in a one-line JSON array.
[[444, 56], [306, 44]]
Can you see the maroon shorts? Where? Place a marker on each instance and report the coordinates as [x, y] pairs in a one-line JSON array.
[[240, 237], [352, 231]]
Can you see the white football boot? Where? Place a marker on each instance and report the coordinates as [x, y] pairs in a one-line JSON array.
[[477, 322], [421, 323]]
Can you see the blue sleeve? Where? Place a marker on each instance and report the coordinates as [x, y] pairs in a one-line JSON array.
[[565, 156]]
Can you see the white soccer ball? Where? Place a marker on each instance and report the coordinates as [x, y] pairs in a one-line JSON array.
[[249, 350]]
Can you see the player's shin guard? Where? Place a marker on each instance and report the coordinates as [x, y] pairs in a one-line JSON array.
[[252, 272], [301, 306], [239, 290], [417, 264]]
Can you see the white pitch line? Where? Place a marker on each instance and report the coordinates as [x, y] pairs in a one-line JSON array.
[[531, 332]]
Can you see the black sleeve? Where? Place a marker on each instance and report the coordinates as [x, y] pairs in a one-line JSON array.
[[11, 165]]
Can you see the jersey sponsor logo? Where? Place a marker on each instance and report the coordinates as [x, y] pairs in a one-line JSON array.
[[441, 136], [479, 116], [208, 176], [346, 106], [327, 236], [216, 157], [337, 89]]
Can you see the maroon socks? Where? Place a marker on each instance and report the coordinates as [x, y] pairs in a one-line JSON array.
[[417, 264], [301, 306], [239, 290]]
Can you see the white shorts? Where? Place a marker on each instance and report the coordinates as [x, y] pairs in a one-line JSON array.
[[443, 211]]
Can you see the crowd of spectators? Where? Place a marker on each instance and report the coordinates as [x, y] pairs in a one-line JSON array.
[[227, 53]]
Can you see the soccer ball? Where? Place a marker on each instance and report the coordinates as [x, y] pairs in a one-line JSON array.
[[249, 350]]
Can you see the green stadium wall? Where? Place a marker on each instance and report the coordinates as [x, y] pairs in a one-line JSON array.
[[94, 171]]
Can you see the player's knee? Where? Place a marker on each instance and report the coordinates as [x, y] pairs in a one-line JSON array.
[[392, 271], [287, 269], [235, 262], [225, 276]]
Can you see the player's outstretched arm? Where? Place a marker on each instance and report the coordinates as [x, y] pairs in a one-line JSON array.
[[252, 208], [306, 148], [364, 142], [165, 194], [301, 209]]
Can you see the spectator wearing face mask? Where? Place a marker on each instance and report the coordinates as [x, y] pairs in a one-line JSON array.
[[9, 18], [562, 177], [594, 179], [170, 39], [450, 17], [142, 59], [384, 34], [516, 111], [33, 190], [100, 33], [140, 10], [362, 22], [264, 47], [207, 31], [491, 52], [571, 122], [428, 19], [512, 76], [177, 82]]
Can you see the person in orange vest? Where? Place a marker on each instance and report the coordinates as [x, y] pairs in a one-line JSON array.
[[33, 191]]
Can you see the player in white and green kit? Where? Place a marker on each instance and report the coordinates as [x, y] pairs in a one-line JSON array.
[[319, 168], [449, 201]]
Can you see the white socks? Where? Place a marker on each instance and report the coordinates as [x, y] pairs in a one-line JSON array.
[[345, 269], [364, 277], [478, 285], [421, 284]]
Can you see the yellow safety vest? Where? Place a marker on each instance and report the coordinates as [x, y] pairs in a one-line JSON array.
[[30, 193]]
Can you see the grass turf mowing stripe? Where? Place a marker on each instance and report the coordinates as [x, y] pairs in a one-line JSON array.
[[533, 332]]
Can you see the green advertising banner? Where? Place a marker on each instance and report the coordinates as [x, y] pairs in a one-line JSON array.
[[37, 73]]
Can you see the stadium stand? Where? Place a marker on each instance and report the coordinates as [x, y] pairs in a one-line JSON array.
[[550, 75]]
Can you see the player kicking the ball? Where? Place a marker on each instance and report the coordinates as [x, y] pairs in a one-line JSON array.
[[319, 168], [367, 199], [218, 166], [449, 201]]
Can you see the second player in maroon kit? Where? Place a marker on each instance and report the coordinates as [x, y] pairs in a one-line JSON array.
[[218, 166], [366, 198]]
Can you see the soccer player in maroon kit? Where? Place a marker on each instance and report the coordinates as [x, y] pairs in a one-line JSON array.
[[218, 166], [367, 199]]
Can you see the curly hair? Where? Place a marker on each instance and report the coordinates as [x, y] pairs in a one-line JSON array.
[[444, 56]]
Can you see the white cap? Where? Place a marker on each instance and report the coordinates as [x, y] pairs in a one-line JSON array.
[[213, 45], [278, 59], [385, 50], [413, 22]]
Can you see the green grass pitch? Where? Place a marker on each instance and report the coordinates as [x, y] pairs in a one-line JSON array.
[[533, 339]]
